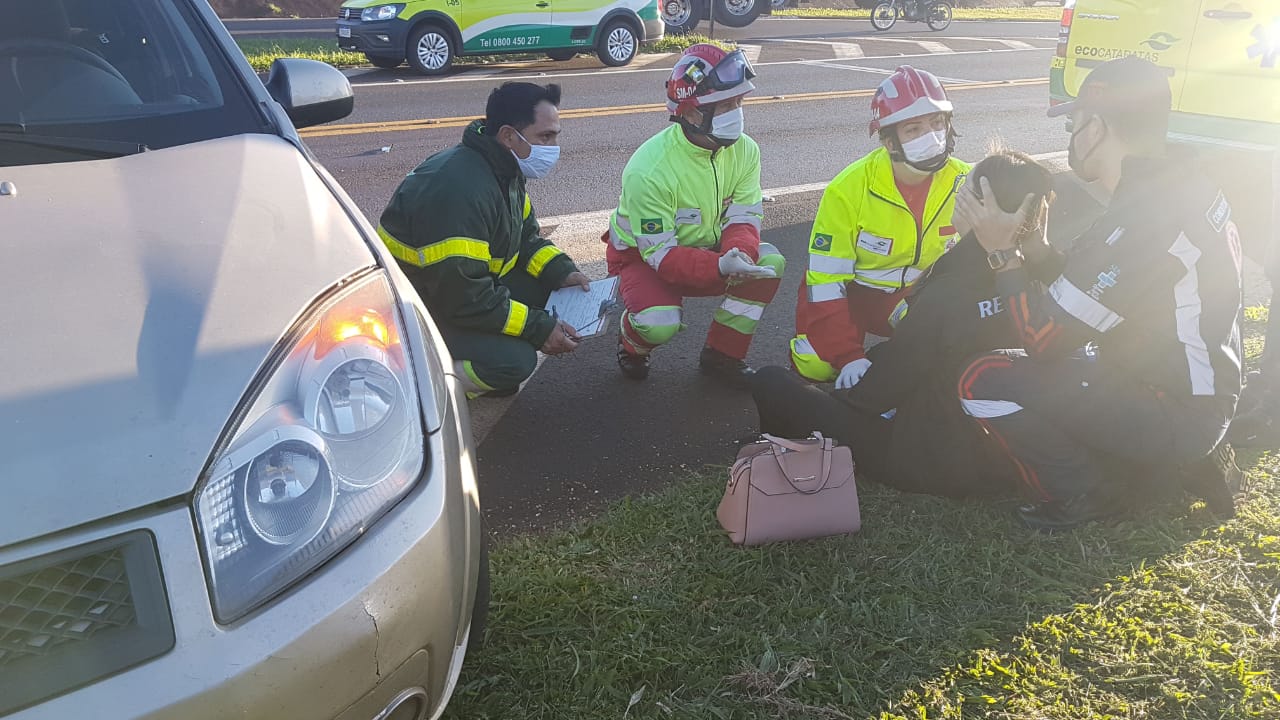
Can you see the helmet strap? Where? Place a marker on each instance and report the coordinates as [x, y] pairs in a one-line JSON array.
[[702, 129]]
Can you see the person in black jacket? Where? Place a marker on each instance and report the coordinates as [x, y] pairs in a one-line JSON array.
[[930, 445], [1152, 292]]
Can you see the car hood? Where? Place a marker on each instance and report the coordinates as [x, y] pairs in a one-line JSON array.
[[140, 297]]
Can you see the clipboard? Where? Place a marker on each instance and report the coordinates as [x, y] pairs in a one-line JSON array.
[[586, 312]]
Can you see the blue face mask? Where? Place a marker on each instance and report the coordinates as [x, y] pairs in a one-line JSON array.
[[541, 160]]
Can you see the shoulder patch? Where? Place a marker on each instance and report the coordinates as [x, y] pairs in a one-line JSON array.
[[821, 242], [1219, 213], [651, 226]]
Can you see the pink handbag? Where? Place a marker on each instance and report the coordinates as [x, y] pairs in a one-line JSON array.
[[790, 490]]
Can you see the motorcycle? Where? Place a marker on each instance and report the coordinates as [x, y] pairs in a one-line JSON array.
[[936, 13]]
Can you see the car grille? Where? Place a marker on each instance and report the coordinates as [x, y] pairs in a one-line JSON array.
[[68, 602], [349, 14], [69, 618]]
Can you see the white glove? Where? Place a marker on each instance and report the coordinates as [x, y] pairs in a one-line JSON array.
[[736, 262], [852, 373]]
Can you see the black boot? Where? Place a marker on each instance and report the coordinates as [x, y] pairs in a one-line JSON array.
[[731, 371], [1254, 424], [1215, 479], [1067, 514], [634, 367]]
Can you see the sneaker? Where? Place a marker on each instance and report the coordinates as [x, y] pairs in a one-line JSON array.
[[731, 371], [634, 367], [1215, 479]]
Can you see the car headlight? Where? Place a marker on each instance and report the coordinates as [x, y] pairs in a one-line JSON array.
[[380, 12], [331, 440]]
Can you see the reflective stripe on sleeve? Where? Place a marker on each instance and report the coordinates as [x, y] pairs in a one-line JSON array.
[[745, 215], [829, 265], [455, 247], [1082, 307], [888, 276], [653, 248], [517, 316], [655, 255], [540, 259]]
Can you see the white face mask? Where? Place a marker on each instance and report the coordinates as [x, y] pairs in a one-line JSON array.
[[727, 127], [926, 147], [542, 158]]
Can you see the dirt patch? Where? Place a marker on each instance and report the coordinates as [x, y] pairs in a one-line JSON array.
[[276, 8]]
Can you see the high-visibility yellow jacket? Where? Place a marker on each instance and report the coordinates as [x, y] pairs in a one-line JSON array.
[[864, 233], [683, 206]]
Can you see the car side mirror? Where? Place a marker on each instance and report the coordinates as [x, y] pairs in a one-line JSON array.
[[311, 92]]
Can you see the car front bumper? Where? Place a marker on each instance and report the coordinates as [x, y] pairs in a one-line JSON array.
[[383, 38], [387, 618]]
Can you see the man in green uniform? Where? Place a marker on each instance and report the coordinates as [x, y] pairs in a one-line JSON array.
[[463, 228]]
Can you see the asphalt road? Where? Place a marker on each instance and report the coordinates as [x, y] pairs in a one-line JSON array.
[[578, 435], [766, 27]]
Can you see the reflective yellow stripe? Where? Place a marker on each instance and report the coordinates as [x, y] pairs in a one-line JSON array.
[[501, 268], [539, 261], [528, 206], [434, 253], [516, 318]]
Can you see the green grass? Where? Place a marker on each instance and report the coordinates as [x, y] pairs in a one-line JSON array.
[[261, 53], [1013, 13], [937, 609]]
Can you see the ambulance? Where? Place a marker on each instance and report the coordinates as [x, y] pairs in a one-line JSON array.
[[430, 34], [1223, 62]]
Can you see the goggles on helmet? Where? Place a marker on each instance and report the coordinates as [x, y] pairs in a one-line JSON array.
[[733, 70]]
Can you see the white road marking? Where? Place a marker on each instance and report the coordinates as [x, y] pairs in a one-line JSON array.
[[643, 61], [752, 52], [842, 50], [1002, 40], [883, 71], [934, 47], [541, 75]]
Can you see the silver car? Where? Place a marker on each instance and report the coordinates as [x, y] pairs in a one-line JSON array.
[[238, 479]]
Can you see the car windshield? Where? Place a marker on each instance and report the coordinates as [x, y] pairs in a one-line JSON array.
[[83, 79]]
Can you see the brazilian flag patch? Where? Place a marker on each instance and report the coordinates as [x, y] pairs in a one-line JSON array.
[[821, 242], [650, 227]]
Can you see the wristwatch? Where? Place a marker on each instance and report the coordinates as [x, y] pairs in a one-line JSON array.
[[999, 258]]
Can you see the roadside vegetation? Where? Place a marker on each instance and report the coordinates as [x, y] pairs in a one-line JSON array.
[[960, 13], [261, 53], [937, 609]]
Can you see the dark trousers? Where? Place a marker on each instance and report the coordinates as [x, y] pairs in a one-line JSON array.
[[493, 360], [792, 408], [1067, 423]]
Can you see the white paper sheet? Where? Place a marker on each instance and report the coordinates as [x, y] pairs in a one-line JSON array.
[[585, 311]]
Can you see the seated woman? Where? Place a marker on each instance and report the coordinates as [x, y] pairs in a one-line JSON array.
[[930, 445]]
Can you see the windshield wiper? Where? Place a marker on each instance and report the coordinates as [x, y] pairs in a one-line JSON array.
[[16, 134]]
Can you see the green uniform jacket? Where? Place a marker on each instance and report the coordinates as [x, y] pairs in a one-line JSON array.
[[461, 221]]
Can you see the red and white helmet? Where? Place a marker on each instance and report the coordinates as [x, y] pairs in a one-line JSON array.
[[705, 75], [907, 93]]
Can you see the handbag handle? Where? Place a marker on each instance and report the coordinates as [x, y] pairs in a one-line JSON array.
[[797, 446], [826, 468]]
